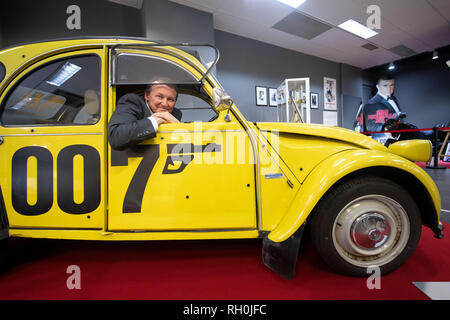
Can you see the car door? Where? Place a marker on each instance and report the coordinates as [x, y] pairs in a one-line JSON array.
[[192, 176], [52, 172]]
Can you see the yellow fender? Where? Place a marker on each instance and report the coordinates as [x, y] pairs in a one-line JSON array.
[[334, 168]]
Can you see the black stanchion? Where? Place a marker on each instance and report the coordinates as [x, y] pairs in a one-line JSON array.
[[435, 151]]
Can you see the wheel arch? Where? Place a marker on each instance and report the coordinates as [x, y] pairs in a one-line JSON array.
[[353, 163]]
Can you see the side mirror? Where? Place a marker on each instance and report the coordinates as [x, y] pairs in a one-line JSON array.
[[221, 100]]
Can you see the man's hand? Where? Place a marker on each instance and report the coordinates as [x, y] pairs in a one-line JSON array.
[[164, 117]]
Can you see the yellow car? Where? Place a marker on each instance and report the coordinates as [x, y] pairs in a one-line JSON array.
[[214, 175]]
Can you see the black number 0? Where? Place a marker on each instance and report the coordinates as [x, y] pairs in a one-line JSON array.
[[64, 180], [44, 181]]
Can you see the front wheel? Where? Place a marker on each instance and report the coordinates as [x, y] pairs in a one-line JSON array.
[[366, 222]]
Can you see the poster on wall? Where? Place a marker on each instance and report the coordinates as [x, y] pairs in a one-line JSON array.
[[329, 93]]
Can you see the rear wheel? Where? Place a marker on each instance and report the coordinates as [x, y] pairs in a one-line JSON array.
[[366, 222]]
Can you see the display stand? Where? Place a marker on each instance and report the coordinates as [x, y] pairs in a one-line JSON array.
[[293, 103]]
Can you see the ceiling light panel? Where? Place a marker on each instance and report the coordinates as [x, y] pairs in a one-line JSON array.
[[358, 29], [292, 3]]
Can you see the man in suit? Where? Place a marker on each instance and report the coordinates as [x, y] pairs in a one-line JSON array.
[[136, 120], [380, 107]]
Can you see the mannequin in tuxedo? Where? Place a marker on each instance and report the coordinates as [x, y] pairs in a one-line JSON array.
[[380, 107]]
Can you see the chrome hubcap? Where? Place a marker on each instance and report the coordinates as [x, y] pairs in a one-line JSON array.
[[371, 230]]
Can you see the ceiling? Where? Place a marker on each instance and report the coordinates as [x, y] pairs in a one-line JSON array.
[[408, 27]]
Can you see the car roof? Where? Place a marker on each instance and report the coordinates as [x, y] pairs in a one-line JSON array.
[[106, 40], [82, 39], [14, 58]]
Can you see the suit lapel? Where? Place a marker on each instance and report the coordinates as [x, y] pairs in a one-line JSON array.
[[145, 108]]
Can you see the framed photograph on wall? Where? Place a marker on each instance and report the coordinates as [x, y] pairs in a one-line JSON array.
[[272, 97], [261, 96], [314, 100]]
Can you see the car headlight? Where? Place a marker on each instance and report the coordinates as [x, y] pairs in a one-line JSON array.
[[414, 150]]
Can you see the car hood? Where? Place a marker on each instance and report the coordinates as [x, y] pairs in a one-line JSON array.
[[317, 130]]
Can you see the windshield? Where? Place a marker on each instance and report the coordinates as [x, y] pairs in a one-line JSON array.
[[132, 67]]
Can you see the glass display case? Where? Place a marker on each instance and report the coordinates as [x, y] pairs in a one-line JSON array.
[[293, 103]]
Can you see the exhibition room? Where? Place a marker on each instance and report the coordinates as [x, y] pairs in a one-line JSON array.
[[235, 150]]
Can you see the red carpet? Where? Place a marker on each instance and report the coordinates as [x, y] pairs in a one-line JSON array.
[[201, 270], [441, 164]]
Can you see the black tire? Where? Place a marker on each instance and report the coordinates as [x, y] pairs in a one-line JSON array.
[[366, 234]]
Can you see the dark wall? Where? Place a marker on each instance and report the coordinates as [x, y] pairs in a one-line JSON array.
[[24, 20], [247, 63], [172, 22], [422, 87], [352, 93]]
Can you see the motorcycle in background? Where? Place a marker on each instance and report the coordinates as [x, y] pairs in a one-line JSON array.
[[396, 122]]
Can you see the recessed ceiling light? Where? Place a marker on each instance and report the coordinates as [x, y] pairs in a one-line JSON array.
[[391, 66], [292, 3], [358, 29], [435, 55]]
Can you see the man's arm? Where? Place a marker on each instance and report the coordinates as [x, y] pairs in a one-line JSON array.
[[128, 124]]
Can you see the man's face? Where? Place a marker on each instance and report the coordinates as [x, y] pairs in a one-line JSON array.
[[161, 98], [386, 87]]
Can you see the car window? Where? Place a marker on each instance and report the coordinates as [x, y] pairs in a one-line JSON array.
[[63, 92], [194, 108], [130, 68]]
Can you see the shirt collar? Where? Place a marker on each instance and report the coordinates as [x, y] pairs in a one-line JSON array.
[[383, 96]]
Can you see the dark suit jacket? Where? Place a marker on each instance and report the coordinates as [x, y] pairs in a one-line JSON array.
[[377, 99], [129, 124], [376, 111]]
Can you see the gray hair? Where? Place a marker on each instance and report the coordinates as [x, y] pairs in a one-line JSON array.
[[173, 86]]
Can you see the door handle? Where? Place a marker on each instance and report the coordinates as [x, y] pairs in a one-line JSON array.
[[1, 140]]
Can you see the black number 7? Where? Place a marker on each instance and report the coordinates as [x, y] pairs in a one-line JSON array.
[[135, 192]]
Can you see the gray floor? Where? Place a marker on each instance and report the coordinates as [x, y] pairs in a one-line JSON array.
[[442, 179]]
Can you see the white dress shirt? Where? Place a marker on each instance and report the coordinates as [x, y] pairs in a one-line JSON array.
[[152, 119], [391, 102]]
